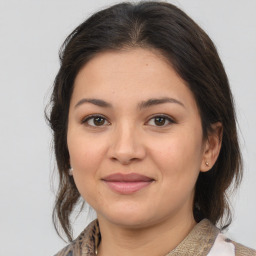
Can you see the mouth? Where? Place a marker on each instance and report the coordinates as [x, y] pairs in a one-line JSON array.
[[127, 183]]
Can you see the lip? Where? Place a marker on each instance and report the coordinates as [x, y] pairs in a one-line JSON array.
[[127, 183]]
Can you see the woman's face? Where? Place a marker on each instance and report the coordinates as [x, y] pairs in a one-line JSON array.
[[134, 138]]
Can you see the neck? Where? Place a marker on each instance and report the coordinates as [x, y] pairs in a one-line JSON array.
[[152, 240]]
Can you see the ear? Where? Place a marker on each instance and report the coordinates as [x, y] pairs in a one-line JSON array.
[[212, 147]]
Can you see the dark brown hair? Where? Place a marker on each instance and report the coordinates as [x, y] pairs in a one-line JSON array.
[[164, 27]]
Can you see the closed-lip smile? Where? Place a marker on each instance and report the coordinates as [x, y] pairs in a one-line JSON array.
[[127, 183]]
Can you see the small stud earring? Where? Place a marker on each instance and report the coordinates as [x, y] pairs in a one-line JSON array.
[[207, 164], [70, 171]]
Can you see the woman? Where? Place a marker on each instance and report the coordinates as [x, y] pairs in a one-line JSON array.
[[145, 132]]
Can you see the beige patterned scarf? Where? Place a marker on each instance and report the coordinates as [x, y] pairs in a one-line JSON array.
[[204, 240]]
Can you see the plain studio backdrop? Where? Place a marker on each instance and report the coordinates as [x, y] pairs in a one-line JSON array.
[[32, 32]]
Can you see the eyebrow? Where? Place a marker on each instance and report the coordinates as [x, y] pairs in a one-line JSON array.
[[152, 102], [144, 104], [97, 102]]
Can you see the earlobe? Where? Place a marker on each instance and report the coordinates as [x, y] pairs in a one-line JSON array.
[[212, 147], [70, 171]]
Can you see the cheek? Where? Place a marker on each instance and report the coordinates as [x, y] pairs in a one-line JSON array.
[[86, 157], [179, 158], [84, 151]]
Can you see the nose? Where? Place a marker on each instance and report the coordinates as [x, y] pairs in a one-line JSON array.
[[126, 145]]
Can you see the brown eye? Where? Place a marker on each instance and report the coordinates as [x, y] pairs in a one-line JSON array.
[[95, 121], [98, 121], [160, 121]]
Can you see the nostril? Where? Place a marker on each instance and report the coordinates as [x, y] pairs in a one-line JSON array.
[[125, 147], [124, 160]]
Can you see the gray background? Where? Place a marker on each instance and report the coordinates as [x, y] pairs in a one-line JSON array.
[[31, 33]]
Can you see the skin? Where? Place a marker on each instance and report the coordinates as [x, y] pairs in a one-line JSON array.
[[128, 139]]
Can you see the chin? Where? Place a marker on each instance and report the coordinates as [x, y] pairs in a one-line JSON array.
[[128, 218], [130, 222], [124, 212]]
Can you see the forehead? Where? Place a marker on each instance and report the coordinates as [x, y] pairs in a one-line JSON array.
[[130, 74]]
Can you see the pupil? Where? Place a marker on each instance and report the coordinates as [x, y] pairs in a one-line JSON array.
[[98, 121], [159, 121]]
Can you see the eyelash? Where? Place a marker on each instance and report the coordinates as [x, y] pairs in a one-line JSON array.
[[165, 117], [93, 117]]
